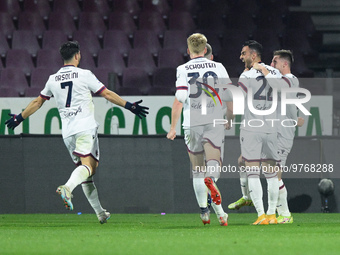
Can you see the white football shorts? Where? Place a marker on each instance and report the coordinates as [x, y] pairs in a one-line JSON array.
[[284, 146], [258, 147], [196, 136], [83, 144]]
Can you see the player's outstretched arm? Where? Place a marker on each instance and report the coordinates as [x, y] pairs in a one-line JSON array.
[[32, 107], [175, 114], [229, 115], [135, 108], [300, 121]]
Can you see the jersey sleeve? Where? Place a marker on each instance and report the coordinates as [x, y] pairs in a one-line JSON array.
[[182, 88], [243, 83], [94, 84], [46, 93], [276, 80]]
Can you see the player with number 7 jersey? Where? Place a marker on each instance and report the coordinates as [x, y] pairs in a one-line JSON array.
[[72, 88]]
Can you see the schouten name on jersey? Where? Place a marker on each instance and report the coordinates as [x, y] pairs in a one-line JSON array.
[[198, 80]]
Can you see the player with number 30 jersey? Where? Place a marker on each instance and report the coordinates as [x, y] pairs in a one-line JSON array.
[[194, 78], [197, 93]]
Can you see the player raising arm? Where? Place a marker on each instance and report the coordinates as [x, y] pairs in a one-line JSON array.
[[202, 138], [259, 142], [282, 60], [71, 87]]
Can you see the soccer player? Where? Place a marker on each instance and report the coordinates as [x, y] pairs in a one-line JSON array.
[[258, 136], [203, 140], [71, 87], [282, 60], [209, 55]]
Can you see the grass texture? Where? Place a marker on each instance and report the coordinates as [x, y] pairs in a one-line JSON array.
[[166, 234]]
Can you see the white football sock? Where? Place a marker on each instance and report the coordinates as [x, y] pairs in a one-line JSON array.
[[213, 169], [255, 189], [218, 210], [200, 189], [244, 183], [91, 194], [282, 203], [80, 174], [273, 191]]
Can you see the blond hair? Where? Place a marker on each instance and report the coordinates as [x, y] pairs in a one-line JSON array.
[[197, 43]]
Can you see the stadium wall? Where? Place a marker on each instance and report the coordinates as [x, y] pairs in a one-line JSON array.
[[144, 174]]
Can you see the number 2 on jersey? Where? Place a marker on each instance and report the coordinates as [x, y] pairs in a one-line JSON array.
[[68, 84], [257, 95]]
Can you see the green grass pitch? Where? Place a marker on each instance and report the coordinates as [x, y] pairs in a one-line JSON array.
[[166, 234]]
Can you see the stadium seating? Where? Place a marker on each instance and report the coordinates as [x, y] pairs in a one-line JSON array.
[[70, 6], [130, 7], [107, 76], [53, 39], [152, 20], [142, 59], [31, 21], [19, 59], [117, 40], [115, 35], [187, 6], [32, 92], [170, 58], [92, 21], [162, 7], [49, 58], [87, 60], [181, 21], [99, 6], [42, 7], [122, 21], [111, 59], [11, 7], [135, 82], [63, 21], [6, 24], [214, 39], [244, 22], [14, 78], [25, 39], [40, 76], [210, 21], [4, 47], [10, 92], [87, 40], [176, 39], [164, 82], [147, 40], [270, 41]]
